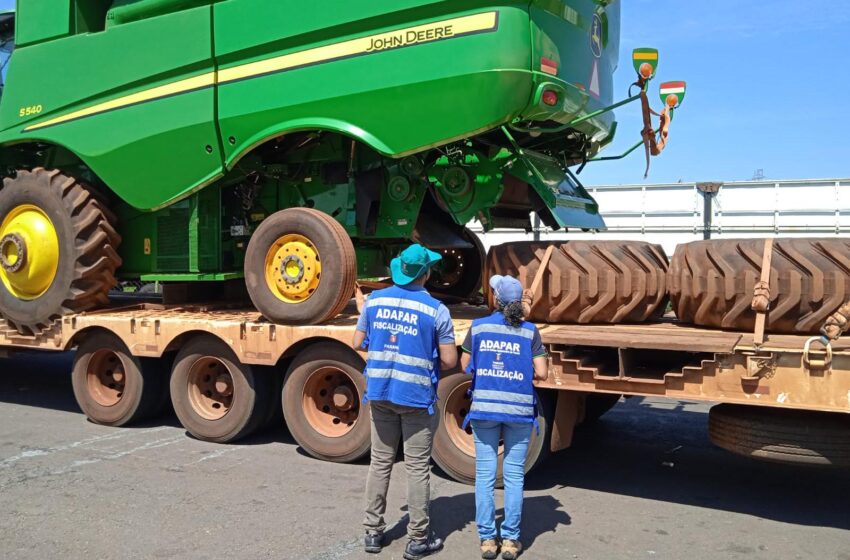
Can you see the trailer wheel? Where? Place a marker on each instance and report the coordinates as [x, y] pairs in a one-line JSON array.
[[780, 435], [57, 249], [300, 267], [711, 282], [589, 281], [323, 403], [113, 387], [216, 397], [459, 272], [454, 448]]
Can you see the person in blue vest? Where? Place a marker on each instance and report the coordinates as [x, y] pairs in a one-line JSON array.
[[409, 336], [504, 354]]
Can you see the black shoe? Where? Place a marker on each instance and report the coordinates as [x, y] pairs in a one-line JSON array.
[[425, 547], [374, 542]]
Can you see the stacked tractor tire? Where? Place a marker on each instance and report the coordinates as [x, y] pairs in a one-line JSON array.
[[709, 283], [589, 281]]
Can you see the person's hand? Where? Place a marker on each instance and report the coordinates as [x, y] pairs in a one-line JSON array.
[[527, 301], [359, 297]]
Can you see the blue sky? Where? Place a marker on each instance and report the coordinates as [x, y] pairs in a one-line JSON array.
[[7, 4], [768, 88]]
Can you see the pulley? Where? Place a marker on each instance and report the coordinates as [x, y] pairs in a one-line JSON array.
[[399, 188]]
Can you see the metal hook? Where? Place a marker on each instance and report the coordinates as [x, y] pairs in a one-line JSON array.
[[819, 364]]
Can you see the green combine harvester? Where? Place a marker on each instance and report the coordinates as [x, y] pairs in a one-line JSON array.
[[292, 146]]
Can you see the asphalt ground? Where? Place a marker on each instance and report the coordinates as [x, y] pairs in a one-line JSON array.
[[644, 482]]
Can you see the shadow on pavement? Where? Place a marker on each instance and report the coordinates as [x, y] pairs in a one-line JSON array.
[[650, 449], [452, 514], [38, 379], [653, 451], [43, 380]]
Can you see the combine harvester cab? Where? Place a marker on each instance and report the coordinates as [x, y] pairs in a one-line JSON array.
[[290, 150]]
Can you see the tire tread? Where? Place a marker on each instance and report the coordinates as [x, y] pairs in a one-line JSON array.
[[589, 281], [95, 242], [782, 435], [711, 282]]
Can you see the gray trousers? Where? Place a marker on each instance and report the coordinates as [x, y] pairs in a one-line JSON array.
[[416, 428]]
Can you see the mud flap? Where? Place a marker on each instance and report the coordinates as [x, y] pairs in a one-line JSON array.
[[563, 201]]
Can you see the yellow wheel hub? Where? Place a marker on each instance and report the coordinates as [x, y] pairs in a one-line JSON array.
[[29, 252], [293, 269]]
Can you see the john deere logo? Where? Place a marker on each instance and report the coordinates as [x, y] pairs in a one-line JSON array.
[[596, 36], [410, 37]]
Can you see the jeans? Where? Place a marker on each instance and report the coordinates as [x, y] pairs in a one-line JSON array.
[[516, 437], [391, 422]]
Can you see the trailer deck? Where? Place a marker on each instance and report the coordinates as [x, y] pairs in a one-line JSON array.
[[654, 359], [151, 329], [684, 362]]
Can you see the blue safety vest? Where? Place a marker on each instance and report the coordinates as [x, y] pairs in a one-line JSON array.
[[401, 336], [502, 366]]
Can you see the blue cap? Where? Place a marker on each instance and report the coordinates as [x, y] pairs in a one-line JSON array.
[[506, 288], [412, 263]]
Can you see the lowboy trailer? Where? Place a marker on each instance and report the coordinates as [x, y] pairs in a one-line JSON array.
[[228, 372]]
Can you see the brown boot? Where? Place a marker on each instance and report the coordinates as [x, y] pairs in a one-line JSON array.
[[489, 549], [511, 549]]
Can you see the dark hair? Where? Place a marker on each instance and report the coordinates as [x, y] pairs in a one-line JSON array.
[[512, 312]]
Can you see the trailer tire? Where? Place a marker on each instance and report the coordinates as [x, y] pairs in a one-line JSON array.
[[318, 281], [588, 281], [454, 449], [781, 435], [58, 249], [711, 282], [323, 403], [217, 398], [113, 387]]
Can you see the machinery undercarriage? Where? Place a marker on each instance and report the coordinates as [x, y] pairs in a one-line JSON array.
[[382, 204]]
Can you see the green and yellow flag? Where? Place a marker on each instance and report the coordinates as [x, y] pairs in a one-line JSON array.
[[646, 62]]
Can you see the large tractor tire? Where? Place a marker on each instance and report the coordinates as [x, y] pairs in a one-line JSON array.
[[454, 447], [57, 249], [459, 272], [300, 267], [217, 398], [712, 282], [113, 387], [783, 436], [588, 281], [323, 403]]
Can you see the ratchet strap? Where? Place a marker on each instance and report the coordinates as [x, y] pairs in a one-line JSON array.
[[837, 323], [761, 293]]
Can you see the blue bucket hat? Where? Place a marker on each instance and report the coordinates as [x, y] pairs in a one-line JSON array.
[[412, 263], [506, 288]]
